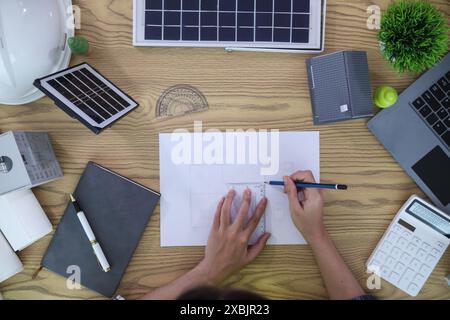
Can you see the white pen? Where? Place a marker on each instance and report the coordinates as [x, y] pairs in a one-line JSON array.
[[90, 234]]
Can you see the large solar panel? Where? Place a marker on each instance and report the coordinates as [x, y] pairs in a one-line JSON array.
[[288, 24], [84, 93]]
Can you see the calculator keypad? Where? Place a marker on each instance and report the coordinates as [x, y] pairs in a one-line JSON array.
[[406, 260]]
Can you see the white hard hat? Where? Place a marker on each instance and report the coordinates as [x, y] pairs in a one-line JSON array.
[[33, 44]]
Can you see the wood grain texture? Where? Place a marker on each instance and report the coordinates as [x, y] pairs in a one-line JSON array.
[[244, 90]]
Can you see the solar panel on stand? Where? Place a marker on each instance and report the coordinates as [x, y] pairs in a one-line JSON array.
[[254, 23], [84, 93]]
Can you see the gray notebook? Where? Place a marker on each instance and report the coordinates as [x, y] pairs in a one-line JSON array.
[[118, 211], [340, 86]]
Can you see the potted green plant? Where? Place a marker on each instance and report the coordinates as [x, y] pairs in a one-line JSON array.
[[413, 35]]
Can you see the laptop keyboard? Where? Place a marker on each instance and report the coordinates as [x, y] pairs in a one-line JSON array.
[[434, 107]]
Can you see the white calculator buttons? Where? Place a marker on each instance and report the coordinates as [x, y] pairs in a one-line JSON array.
[[421, 254], [415, 264], [406, 234], [411, 248], [413, 289], [430, 259], [390, 262], [402, 242], [381, 255], [399, 267], [419, 279], [393, 277], [406, 280], [387, 246], [374, 265], [403, 284], [397, 228], [425, 270], [409, 275], [435, 252], [426, 246], [396, 252], [405, 258], [392, 237], [440, 246], [417, 241], [384, 271]]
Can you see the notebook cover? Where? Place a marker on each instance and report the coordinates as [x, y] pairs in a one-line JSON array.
[[340, 86], [118, 211], [329, 88], [360, 90]]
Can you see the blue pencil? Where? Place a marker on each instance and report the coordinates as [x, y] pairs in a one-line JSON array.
[[303, 185]]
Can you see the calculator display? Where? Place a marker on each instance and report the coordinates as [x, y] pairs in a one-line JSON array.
[[430, 217]]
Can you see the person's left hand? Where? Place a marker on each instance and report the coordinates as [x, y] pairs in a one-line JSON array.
[[227, 250]]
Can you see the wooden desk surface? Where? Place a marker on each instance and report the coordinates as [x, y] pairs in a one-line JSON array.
[[244, 90]]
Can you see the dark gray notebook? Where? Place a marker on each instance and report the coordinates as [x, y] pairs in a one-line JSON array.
[[340, 87], [118, 211]]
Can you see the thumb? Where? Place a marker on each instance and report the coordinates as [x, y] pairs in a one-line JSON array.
[[255, 250]]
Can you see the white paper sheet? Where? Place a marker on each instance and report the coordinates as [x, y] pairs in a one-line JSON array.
[[10, 263], [22, 219], [190, 192]]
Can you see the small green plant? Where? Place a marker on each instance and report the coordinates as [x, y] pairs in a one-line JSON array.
[[413, 35], [78, 45]]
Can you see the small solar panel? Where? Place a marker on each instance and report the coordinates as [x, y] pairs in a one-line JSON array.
[[289, 24], [82, 92]]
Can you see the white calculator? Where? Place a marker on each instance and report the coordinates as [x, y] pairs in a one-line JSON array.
[[412, 246]]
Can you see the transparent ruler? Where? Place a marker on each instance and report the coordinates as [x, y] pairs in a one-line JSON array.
[[258, 192]]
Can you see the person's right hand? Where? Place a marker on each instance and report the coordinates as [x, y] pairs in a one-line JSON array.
[[307, 215]]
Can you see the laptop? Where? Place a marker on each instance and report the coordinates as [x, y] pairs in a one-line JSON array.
[[416, 131]]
